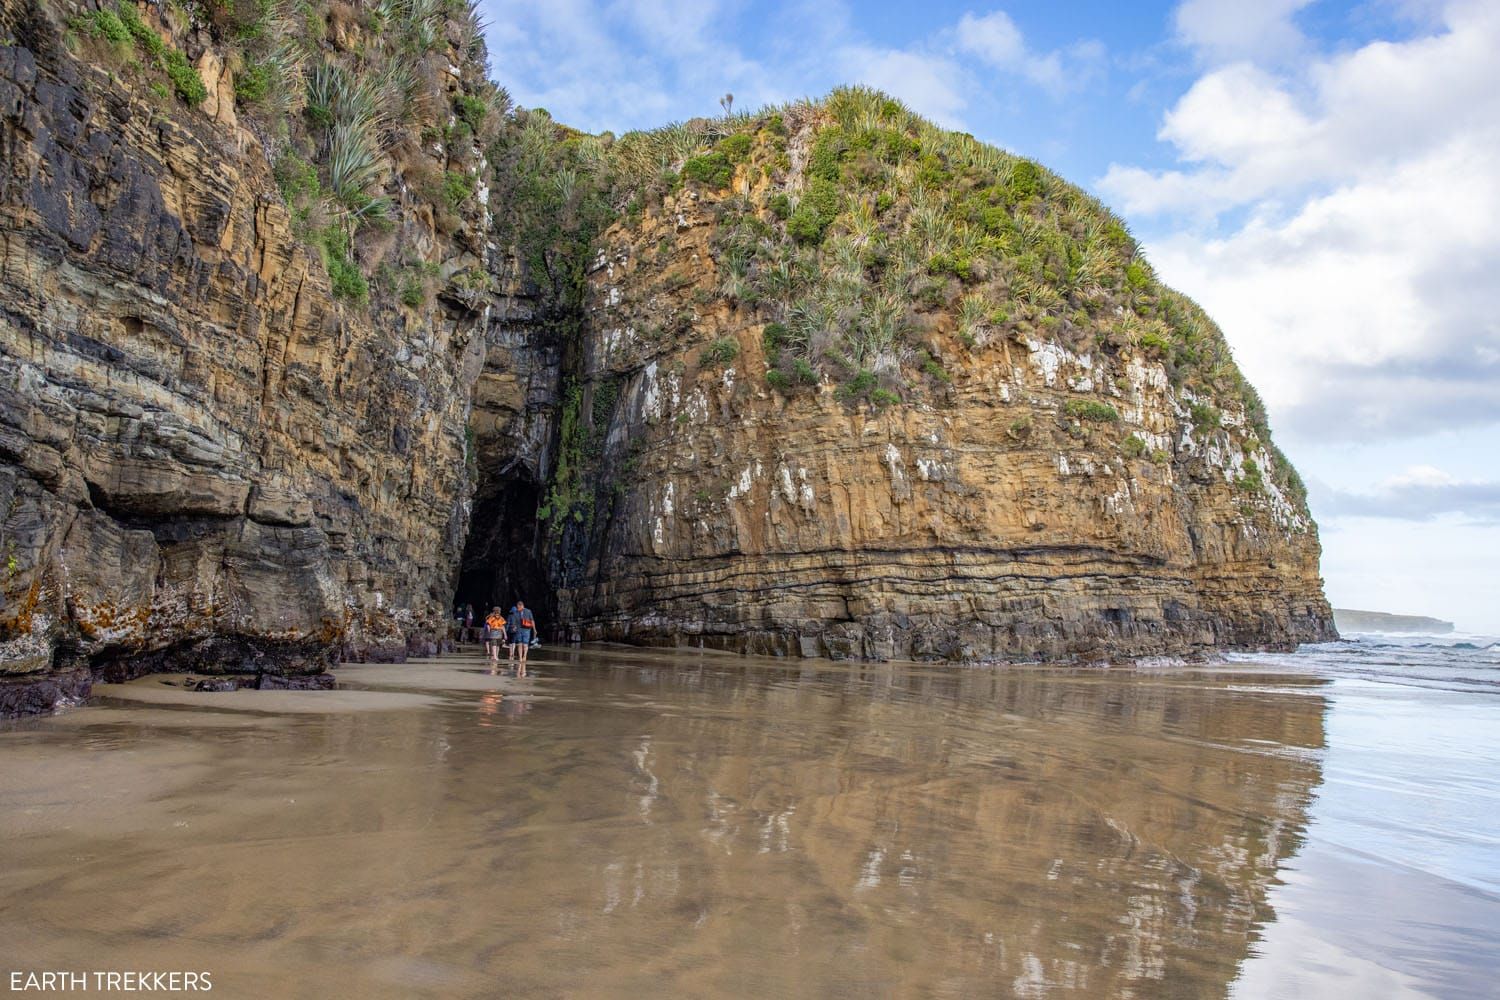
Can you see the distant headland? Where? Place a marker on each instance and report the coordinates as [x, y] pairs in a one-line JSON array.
[[1380, 621]]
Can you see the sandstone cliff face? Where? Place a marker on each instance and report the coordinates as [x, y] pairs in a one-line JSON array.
[[206, 462], [986, 516], [211, 461]]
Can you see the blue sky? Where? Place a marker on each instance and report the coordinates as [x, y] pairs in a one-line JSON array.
[[1323, 177]]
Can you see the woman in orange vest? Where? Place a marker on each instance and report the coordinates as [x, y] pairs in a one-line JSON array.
[[494, 634]]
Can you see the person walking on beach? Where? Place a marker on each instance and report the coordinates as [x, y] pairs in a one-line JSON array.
[[468, 623], [494, 634], [512, 626], [521, 637]]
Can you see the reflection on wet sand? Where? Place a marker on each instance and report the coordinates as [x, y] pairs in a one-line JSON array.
[[627, 823]]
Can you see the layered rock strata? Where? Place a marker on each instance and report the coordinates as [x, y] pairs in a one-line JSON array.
[[210, 462], [206, 462], [985, 522]]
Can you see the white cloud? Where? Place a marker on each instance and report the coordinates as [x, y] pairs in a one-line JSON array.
[[1357, 286], [996, 41], [1417, 493], [1221, 30]]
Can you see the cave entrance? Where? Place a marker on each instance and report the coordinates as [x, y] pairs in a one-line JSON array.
[[502, 560]]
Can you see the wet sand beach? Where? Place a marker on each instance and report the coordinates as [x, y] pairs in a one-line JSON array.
[[627, 822]]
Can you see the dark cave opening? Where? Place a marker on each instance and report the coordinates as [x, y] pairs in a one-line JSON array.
[[503, 560]]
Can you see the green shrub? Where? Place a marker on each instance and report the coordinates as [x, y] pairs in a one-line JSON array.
[[806, 225], [347, 280], [736, 148], [884, 397], [773, 338], [861, 385], [1091, 410], [1160, 457], [816, 212], [934, 369], [1025, 181], [253, 82], [458, 188], [957, 263], [344, 275], [471, 110], [1020, 428], [828, 150], [1133, 447], [1137, 276], [105, 24], [778, 380], [1251, 480], [780, 205], [823, 197], [412, 293], [185, 79], [141, 32], [1155, 344], [296, 178], [1205, 417], [719, 353], [711, 170]]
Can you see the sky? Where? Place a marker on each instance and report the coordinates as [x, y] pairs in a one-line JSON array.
[[1324, 178]]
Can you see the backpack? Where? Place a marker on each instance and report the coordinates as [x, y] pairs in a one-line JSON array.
[[526, 621]]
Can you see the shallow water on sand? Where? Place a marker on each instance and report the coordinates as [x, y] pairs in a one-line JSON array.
[[626, 822]]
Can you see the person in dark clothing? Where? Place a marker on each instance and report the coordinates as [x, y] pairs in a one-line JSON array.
[[512, 626]]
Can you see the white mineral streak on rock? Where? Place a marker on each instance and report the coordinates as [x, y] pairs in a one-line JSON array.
[[742, 486], [1118, 502], [805, 491], [1049, 359], [788, 489], [894, 462], [697, 406], [651, 397], [667, 497], [1084, 381]]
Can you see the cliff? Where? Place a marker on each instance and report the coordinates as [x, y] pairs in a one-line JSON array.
[[855, 386], [220, 449], [307, 333]]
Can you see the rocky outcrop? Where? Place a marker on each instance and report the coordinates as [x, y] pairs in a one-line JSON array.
[[987, 518], [206, 461], [214, 460]]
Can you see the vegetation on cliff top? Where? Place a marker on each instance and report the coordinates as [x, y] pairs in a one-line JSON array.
[[868, 240]]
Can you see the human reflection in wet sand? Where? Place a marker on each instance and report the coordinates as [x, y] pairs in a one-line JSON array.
[[491, 703]]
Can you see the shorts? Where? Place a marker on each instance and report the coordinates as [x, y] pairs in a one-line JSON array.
[[491, 634], [522, 637]]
